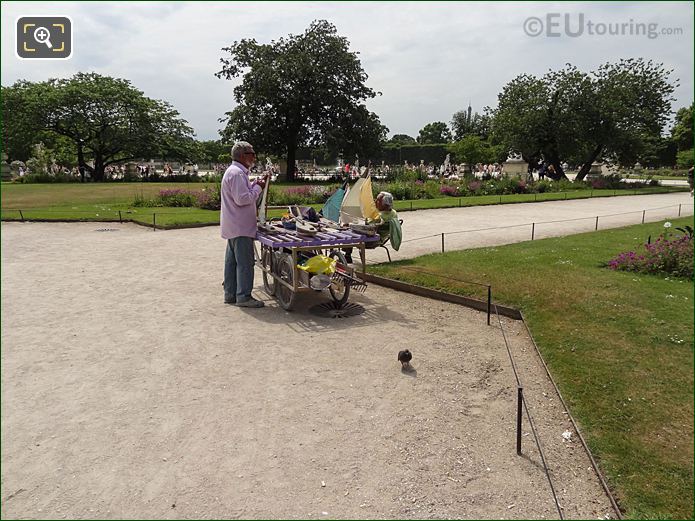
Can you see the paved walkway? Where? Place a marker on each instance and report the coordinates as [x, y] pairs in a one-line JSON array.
[[513, 223]]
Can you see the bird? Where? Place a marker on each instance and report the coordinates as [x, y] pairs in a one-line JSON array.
[[404, 357]]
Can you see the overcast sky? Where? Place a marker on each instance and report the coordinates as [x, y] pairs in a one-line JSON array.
[[428, 59]]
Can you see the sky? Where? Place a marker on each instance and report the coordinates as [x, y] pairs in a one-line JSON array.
[[428, 59]]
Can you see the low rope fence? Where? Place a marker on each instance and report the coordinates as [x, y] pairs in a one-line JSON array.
[[538, 197], [522, 402], [533, 225], [127, 216]]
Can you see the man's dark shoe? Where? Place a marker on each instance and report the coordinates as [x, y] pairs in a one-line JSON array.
[[230, 301], [251, 303]]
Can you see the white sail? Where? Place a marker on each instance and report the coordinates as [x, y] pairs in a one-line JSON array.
[[358, 204], [262, 208]]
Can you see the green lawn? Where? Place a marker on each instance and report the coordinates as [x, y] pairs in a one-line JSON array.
[[620, 346], [102, 202]]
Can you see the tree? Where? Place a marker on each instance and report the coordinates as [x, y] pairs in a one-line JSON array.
[[106, 119], [465, 123], [682, 132], [684, 158], [656, 151], [611, 113], [434, 133], [213, 151], [302, 90], [402, 139], [473, 149], [20, 129]]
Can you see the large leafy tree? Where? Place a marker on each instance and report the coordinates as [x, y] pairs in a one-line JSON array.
[[106, 119], [434, 133], [614, 113], [302, 90]]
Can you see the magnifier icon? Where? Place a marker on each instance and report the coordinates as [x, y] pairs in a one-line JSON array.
[[42, 35]]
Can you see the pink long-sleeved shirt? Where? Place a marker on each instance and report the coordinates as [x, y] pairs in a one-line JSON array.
[[238, 208]]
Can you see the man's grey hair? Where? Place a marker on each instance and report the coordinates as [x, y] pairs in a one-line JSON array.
[[386, 199], [239, 148]]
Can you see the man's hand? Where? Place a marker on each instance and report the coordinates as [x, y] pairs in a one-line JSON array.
[[261, 181]]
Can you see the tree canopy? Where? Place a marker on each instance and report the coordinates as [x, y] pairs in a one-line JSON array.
[[466, 123], [302, 90], [568, 115], [106, 119], [402, 139], [682, 131], [473, 149], [433, 133]]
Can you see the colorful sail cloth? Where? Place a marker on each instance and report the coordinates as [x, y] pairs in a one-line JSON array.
[[358, 203], [331, 209]]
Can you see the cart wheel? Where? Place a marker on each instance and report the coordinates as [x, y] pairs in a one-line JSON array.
[[285, 270], [268, 262], [339, 290]]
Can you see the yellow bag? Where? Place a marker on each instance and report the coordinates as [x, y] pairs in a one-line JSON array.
[[319, 264]]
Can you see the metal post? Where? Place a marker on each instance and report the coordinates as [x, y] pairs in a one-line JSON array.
[[565, 196], [500, 199], [459, 202], [489, 303], [520, 398], [442, 243], [596, 229], [120, 217], [533, 230], [21, 215], [679, 210], [535, 197], [643, 212], [411, 205], [154, 222]]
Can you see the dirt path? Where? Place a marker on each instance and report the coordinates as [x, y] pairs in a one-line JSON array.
[[129, 390]]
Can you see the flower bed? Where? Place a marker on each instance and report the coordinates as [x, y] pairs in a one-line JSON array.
[[207, 198], [671, 256], [401, 188]]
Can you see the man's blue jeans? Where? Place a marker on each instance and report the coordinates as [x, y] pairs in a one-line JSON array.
[[238, 269]]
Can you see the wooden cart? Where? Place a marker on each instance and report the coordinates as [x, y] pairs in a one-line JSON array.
[[281, 250]]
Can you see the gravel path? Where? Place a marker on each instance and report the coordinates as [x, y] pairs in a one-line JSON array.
[[422, 229], [129, 390]]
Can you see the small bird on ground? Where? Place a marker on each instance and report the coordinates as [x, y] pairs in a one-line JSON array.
[[404, 357]]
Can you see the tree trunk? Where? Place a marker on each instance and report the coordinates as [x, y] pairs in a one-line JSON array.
[[98, 173], [291, 154], [82, 166], [559, 173], [587, 164]]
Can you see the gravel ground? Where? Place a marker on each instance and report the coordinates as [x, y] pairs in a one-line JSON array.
[[129, 390]]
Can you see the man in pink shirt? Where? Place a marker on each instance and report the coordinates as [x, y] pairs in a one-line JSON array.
[[238, 226]]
